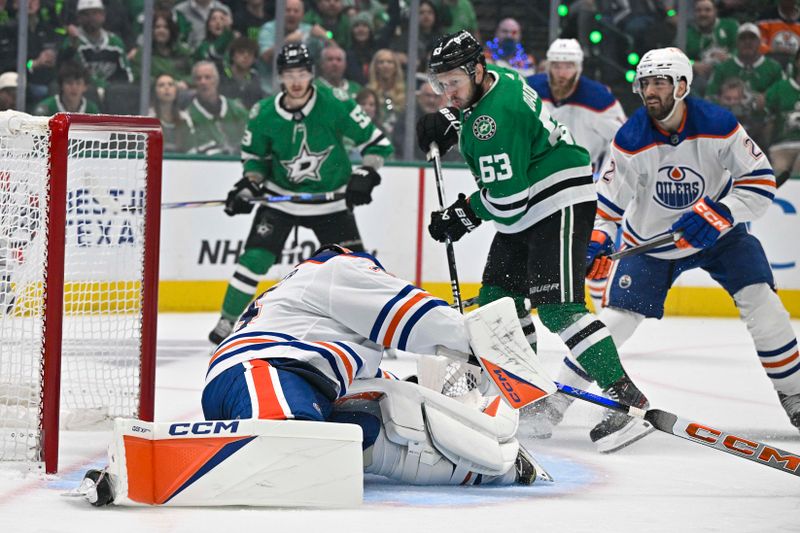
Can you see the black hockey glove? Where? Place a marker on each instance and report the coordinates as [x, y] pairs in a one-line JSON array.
[[441, 127], [455, 221], [359, 190], [237, 201]]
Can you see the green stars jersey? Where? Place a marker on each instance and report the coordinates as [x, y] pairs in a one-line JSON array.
[[783, 103], [304, 151], [722, 35], [526, 164], [758, 77]]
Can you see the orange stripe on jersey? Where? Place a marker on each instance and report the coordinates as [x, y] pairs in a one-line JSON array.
[[387, 340], [269, 407], [338, 351], [768, 183], [607, 216], [782, 362], [252, 340], [627, 236]]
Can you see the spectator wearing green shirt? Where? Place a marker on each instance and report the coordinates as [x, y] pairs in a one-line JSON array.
[[100, 51], [219, 34], [73, 81], [169, 55], [462, 17], [332, 63], [330, 15], [757, 71], [710, 40], [783, 107], [219, 122]]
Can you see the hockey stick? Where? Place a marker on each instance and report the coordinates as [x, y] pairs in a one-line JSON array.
[[451, 254], [667, 422], [262, 200], [661, 241]]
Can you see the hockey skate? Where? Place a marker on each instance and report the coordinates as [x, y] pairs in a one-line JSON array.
[[791, 404], [539, 419], [528, 470], [96, 487], [618, 430], [221, 331]]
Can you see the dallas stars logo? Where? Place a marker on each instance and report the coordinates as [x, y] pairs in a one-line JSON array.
[[484, 127], [306, 164]]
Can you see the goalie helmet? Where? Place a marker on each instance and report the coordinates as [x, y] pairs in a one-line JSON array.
[[294, 55], [455, 50], [567, 50], [669, 62]]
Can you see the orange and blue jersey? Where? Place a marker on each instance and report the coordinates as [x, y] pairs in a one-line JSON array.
[[334, 314], [653, 176]]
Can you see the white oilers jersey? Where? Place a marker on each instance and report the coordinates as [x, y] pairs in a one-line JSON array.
[[337, 313], [651, 178], [591, 113]]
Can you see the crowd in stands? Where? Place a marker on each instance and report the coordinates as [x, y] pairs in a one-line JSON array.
[[212, 59]]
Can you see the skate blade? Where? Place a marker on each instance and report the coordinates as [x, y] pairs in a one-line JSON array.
[[633, 431], [541, 473]]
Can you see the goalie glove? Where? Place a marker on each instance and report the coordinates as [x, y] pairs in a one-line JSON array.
[[359, 189], [598, 264], [454, 221], [238, 198], [441, 128], [702, 225]]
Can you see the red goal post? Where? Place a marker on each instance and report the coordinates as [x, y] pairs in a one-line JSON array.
[[80, 201]]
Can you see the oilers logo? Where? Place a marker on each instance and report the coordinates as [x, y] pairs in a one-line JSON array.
[[678, 187]]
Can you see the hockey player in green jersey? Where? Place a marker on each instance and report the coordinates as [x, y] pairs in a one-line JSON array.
[[293, 144], [536, 185]]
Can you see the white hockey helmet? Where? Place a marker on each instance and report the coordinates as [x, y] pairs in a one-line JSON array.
[[670, 62], [568, 50]]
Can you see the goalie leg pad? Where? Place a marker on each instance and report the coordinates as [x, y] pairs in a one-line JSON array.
[[776, 343], [428, 438], [236, 462]]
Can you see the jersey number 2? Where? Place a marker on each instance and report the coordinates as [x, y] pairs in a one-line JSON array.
[[489, 172]]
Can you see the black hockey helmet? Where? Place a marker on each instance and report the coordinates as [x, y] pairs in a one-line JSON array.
[[454, 50], [294, 55]]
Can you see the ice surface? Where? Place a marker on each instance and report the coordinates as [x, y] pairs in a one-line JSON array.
[[702, 369]]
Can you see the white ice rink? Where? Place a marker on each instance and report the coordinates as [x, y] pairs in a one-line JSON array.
[[702, 369]]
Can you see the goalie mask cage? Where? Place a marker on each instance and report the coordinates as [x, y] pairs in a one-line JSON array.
[[80, 203]]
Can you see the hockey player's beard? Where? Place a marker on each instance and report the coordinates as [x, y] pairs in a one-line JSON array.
[[561, 89], [658, 109]]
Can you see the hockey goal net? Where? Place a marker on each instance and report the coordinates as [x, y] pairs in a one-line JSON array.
[[79, 227]]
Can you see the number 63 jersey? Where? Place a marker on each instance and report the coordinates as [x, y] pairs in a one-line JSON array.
[[653, 177], [526, 163]]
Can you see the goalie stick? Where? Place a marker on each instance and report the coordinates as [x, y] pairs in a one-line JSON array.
[[723, 441], [261, 200]]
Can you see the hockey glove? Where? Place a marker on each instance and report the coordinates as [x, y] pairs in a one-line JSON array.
[[237, 201], [598, 264], [702, 225], [359, 190], [441, 127], [454, 222]]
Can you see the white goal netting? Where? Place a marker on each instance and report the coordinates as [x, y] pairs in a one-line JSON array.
[[103, 268]]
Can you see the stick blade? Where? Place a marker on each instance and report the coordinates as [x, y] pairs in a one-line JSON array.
[[751, 450]]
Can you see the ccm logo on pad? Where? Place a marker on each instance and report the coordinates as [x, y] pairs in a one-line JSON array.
[[203, 428]]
